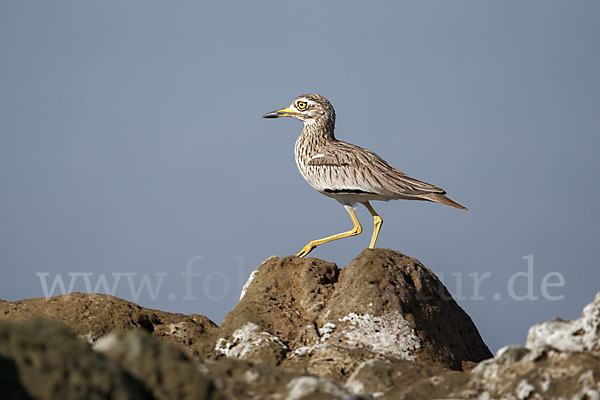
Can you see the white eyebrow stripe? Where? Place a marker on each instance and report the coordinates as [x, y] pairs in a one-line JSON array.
[[307, 101]]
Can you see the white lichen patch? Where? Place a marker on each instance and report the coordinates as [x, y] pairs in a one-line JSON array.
[[524, 390], [89, 337], [388, 334], [178, 330], [484, 396], [251, 277], [354, 384], [106, 343], [545, 381], [581, 334], [326, 330], [302, 351], [119, 342], [590, 385], [305, 386], [251, 375], [248, 282], [245, 340]]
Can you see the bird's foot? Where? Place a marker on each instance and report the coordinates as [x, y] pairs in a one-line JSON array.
[[307, 249]]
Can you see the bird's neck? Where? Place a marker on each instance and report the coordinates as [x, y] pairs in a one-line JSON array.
[[314, 137], [320, 130]]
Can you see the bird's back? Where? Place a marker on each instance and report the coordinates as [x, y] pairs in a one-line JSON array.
[[334, 166]]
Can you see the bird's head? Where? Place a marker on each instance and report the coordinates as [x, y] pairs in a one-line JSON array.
[[308, 108]]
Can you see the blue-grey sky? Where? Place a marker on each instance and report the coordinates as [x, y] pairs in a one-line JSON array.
[[131, 141]]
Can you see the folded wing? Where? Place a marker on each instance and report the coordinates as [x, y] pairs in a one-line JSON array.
[[342, 166]]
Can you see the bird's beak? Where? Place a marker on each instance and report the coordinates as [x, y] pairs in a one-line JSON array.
[[284, 112]]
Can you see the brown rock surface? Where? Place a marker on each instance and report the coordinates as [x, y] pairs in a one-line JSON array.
[[309, 315], [560, 362], [168, 374], [43, 360], [407, 296], [281, 304], [94, 315], [515, 373], [163, 367], [245, 380], [379, 376]]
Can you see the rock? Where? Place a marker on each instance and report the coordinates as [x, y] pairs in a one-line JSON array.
[[538, 374], [561, 361], [10, 383], [331, 361], [164, 369], [285, 296], [43, 360], [249, 342], [582, 334], [307, 315], [515, 373], [311, 387], [94, 315], [245, 380], [383, 327], [377, 377], [392, 304]]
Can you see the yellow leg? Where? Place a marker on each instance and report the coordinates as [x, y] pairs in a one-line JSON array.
[[377, 222], [354, 231]]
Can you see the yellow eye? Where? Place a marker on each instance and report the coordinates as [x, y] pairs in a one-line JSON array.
[[301, 105]]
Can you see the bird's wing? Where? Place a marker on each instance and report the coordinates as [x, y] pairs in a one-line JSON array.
[[350, 167]]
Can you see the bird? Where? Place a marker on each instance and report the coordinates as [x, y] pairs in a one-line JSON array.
[[348, 173]]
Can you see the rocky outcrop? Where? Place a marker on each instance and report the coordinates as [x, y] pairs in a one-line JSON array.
[[582, 334], [43, 360], [560, 361], [164, 369], [378, 378], [515, 373], [383, 327], [308, 315], [168, 374], [245, 380], [92, 316]]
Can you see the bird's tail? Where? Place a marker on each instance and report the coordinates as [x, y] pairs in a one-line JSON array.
[[440, 198]]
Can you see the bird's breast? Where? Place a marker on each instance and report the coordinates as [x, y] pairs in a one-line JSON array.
[[302, 151], [320, 176]]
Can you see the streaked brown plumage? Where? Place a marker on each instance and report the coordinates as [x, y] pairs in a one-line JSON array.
[[346, 172]]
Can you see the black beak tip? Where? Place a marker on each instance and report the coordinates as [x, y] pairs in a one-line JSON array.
[[270, 115]]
